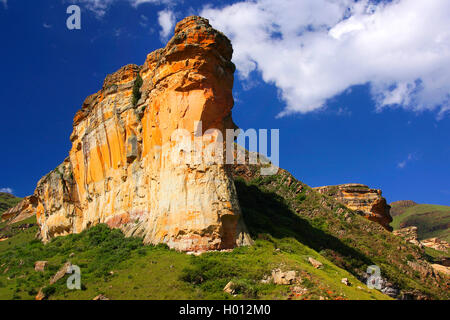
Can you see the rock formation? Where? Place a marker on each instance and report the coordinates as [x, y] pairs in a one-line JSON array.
[[363, 199], [23, 210], [410, 235], [436, 244], [119, 169]]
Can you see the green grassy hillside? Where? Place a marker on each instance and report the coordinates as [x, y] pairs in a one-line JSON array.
[[431, 220], [289, 222], [282, 206], [7, 201], [123, 268]]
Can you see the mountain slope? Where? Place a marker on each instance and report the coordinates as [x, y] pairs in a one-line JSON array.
[[432, 221], [282, 207], [289, 222], [125, 268], [7, 201]]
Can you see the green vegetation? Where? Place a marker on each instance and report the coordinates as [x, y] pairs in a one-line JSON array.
[[289, 222], [434, 256], [432, 221], [123, 268], [276, 206], [7, 201], [247, 266], [137, 89]]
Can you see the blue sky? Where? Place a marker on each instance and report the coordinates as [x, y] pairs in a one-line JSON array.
[[351, 105]]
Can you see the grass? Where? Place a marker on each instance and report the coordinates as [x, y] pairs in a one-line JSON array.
[[7, 201], [289, 222], [123, 268], [247, 266], [432, 221], [15, 234], [283, 207]]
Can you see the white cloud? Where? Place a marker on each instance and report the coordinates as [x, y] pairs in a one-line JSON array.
[[313, 50], [100, 7], [7, 190], [5, 3], [411, 157], [46, 25], [401, 165], [166, 20], [136, 3]]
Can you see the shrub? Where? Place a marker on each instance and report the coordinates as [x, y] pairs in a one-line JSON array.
[[137, 89], [48, 291], [246, 288]]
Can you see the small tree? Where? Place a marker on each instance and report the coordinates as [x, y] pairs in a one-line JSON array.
[[137, 89]]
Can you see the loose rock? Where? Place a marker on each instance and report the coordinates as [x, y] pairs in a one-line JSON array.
[[316, 264], [40, 266]]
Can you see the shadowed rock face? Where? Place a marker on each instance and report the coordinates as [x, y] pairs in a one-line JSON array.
[[359, 197], [116, 172]]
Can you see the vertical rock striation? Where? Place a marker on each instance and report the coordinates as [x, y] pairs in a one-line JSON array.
[[363, 199], [117, 171]]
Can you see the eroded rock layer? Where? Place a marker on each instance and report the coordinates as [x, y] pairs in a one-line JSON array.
[[363, 199], [23, 210], [117, 171]]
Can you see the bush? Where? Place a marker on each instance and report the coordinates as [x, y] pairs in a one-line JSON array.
[[137, 89], [246, 288], [48, 291]]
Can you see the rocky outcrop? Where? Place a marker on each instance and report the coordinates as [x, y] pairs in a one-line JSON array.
[[438, 268], [285, 277], [40, 266], [369, 202], [23, 210], [436, 244], [120, 171], [7, 201], [410, 235]]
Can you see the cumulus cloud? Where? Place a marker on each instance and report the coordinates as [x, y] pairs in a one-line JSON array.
[[7, 190], [166, 20], [313, 50]]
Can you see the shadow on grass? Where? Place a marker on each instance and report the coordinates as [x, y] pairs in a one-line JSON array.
[[266, 213]]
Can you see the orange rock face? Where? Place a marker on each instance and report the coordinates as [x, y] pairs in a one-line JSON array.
[[359, 197], [118, 170], [23, 210]]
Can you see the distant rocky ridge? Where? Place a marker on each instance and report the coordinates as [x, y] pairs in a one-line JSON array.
[[432, 221], [398, 207], [362, 199]]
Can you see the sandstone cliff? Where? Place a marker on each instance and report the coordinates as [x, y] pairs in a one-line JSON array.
[[363, 199], [117, 171]]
